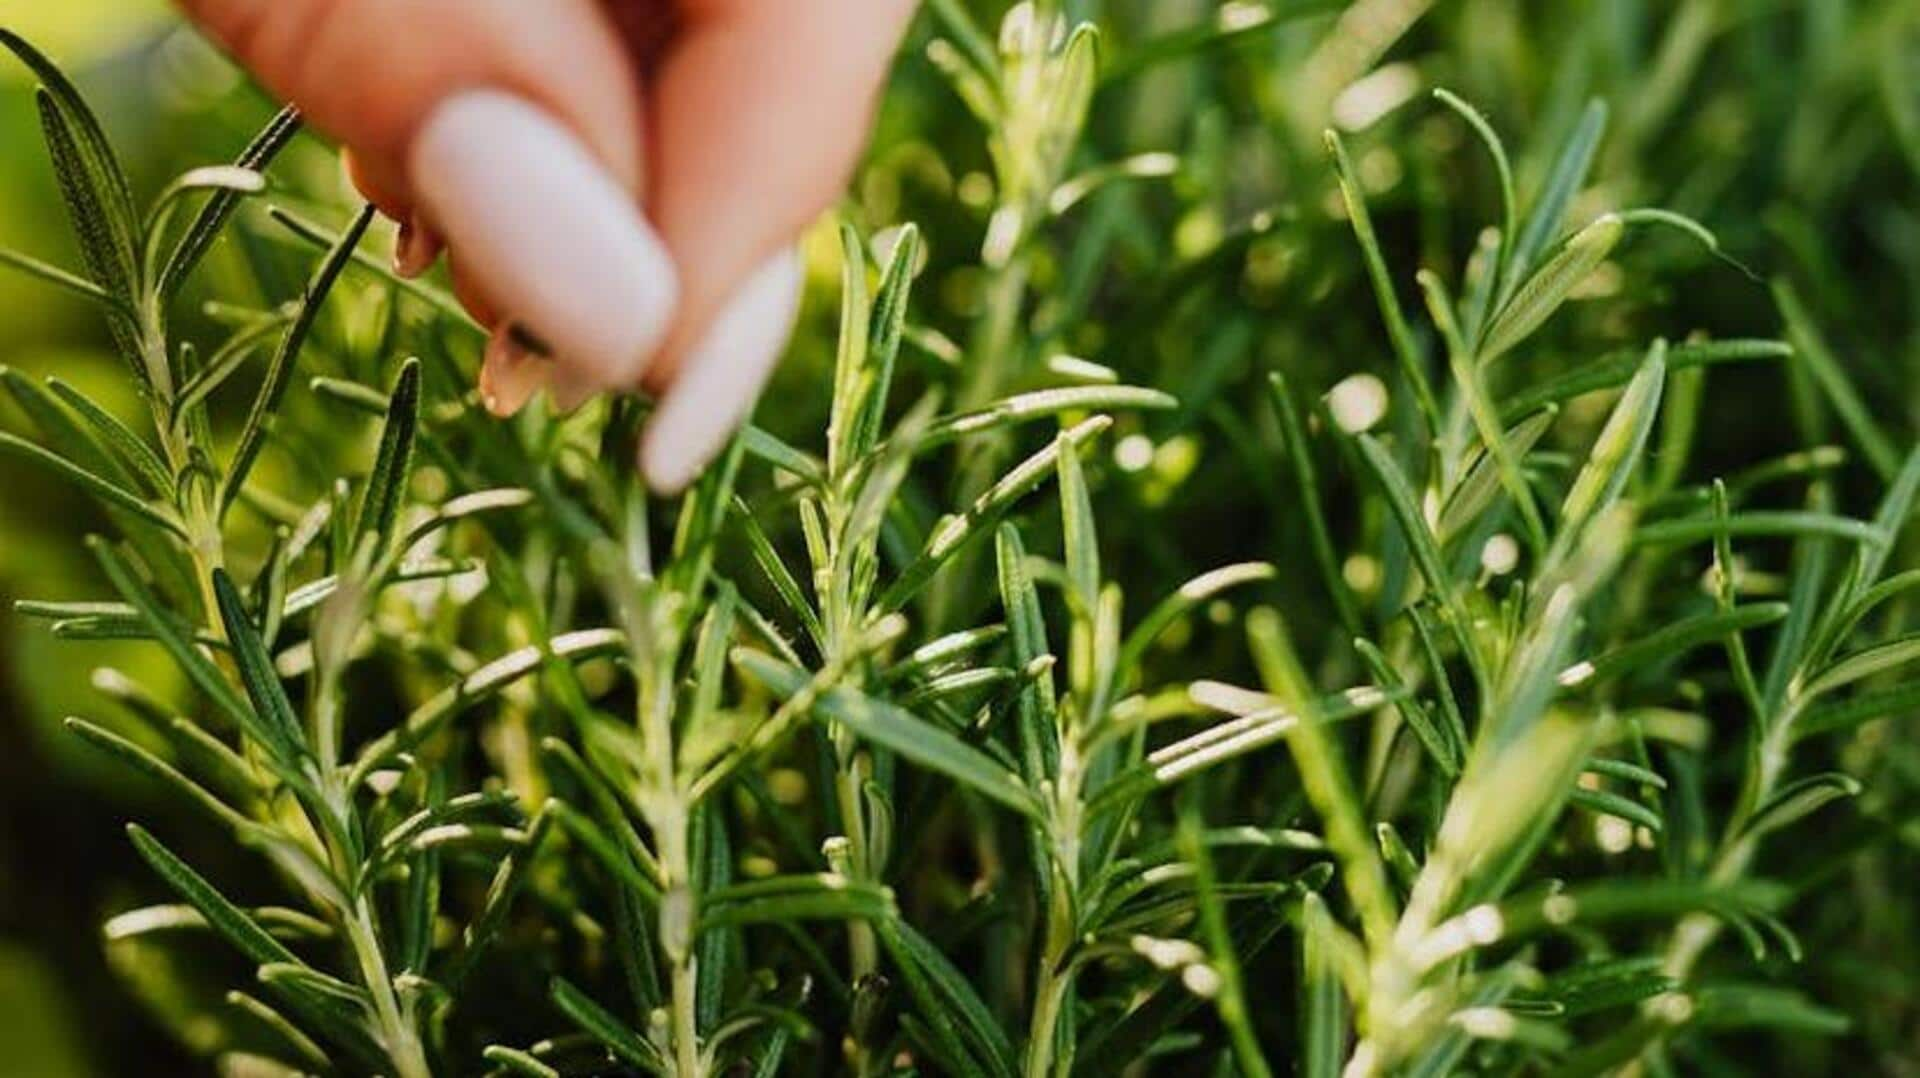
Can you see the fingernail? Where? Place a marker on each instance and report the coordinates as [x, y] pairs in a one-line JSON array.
[[546, 231], [511, 373], [415, 248], [722, 376]]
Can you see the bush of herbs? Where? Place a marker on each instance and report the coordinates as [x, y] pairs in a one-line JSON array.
[[871, 755]]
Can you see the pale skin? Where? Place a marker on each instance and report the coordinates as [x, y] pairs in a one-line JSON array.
[[729, 124]]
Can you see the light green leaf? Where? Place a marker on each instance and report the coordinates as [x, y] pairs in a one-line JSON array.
[[1543, 293], [1799, 799], [1039, 404], [1549, 208], [954, 532], [915, 739]]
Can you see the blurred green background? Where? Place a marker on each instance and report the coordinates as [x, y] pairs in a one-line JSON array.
[[1790, 128]]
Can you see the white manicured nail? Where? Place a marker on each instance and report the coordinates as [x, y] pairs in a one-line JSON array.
[[415, 248], [722, 376], [547, 232], [511, 373]]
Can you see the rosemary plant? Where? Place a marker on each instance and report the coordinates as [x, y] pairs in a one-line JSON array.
[[1475, 691]]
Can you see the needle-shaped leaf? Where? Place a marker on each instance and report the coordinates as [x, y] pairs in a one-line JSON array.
[[1549, 207], [1863, 664], [277, 718], [133, 453], [1626, 772], [221, 203], [477, 687], [766, 447], [785, 899], [1760, 524], [883, 338], [1082, 543], [1503, 171], [393, 464], [1859, 708], [604, 1027], [1480, 479], [64, 279], [894, 728], [514, 1061], [1293, 432], [102, 225], [1413, 523], [1399, 333], [227, 919], [1187, 598], [1433, 737], [1469, 378], [1267, 725], [1617, 452], [856, 313], [1535, 301], [1145, 166], [147, 763], [225, 360], [508, 880], [109, 492], [266, 403], [92, 152], [611, 854], [1799, 799], [947, 1002], [1323, 1020], [954, 532], [775, 570], [1612, 804], [1896, 507], [309, 1053], [1039, 737], [1670, 642], [1040, 404], [1617, 368], [198, 668]]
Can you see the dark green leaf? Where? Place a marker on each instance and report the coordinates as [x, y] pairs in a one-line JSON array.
[[266, 403]]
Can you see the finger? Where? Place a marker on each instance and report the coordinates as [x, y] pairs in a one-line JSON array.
[[511, 372], [368, 72], [415, 245], [722, 376], [756, 113], [379, 181], [469, 291], [513, 129]]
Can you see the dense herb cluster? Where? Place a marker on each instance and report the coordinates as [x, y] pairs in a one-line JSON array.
[[858, 758]]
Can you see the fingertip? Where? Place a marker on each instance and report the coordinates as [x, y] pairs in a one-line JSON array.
[[545, 233], [379, 182], [511, 373], [415, 248], [722, 375]]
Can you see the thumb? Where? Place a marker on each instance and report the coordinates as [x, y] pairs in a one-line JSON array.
[[756, 114]]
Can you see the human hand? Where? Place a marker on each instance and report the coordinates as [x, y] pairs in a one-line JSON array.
[[623, 180]]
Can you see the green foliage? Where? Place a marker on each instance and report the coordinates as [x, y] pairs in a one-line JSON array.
[[1304, 686]]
